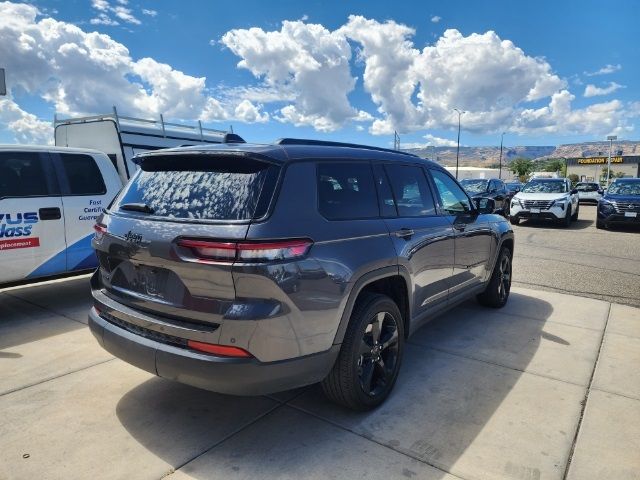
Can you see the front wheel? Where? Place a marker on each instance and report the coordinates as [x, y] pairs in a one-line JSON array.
[[499, 286], [514, 221], [600, 224], [566, 222], [370, 356], [575, 215]]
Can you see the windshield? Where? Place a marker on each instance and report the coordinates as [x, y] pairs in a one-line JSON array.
[[587, 187], [628, 187], [545, 186], [474, 186]]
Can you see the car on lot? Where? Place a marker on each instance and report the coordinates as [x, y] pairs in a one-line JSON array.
[[620, 203], [514, 187], [50, 198], [493, 188], [546, 199], [248, 269], [589, 192]]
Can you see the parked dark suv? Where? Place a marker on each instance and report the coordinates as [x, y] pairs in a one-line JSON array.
[[249, 269], [489, 188]]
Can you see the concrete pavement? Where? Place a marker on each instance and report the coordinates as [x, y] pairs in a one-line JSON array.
[[546, 388]]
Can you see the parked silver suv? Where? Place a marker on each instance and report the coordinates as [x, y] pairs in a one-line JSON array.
[[249, 269]]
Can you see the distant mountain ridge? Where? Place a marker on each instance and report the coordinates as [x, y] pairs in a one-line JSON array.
[[485, 156]]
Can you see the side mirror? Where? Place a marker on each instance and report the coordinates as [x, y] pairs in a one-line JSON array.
[[517, 189], [601, 192], [574, 191], [485, 205]]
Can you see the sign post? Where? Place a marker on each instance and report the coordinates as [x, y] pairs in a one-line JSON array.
[[3, 84]]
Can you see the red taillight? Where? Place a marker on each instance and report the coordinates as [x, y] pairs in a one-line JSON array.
[[220, 350], [247, 251], [99, 231]]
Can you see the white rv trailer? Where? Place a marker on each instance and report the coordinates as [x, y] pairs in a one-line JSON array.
[[123, 137]]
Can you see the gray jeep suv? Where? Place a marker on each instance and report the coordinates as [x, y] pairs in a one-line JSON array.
[[249, 269]]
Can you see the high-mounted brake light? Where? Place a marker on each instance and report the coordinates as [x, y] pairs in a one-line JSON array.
[[206, 250], [99, 231], [220, 350]]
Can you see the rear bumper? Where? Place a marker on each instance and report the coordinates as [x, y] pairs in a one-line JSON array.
[[219, 374]]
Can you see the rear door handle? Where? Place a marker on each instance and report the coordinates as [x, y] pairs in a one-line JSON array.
[[50, 213], [404, 233]]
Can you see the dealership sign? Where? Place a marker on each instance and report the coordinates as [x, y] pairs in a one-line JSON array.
[[598, 160]]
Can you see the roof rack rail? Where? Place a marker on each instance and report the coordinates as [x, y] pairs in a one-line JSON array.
[[324, 143]]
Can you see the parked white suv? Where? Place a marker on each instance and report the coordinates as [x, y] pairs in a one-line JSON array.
[[589, 191], [546, 199]]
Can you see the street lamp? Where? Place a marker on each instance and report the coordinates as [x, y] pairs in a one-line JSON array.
[[500, 171], [611, 138], [458, 149]]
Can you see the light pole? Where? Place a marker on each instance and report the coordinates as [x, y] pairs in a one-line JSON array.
[[611, 138], [458, 148], [500, 171]]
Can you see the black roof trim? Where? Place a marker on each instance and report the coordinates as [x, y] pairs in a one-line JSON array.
[[324, 143]]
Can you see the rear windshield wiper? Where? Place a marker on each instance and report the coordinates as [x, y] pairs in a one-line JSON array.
[[137, 207]]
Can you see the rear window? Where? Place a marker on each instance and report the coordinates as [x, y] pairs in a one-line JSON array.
[[200, 187], [83, 175]]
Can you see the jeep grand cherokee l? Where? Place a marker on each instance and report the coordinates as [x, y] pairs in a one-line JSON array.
[[248, 269]]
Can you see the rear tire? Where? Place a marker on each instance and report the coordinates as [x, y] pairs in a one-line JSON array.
[[497, 292], [369, 360]]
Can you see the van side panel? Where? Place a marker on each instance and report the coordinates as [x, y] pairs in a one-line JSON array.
[[99, 135]]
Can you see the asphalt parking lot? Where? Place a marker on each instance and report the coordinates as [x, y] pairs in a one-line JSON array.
[[546, 388], [581, 260]]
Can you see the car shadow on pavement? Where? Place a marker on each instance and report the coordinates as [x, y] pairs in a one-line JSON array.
[[579, 224], [457, 372]]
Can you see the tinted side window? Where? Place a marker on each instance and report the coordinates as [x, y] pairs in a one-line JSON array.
[[346, 191], [83, 175], [22, 175], [452, 197], [411, 191]]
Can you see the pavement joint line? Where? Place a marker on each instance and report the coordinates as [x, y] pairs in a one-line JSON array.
[[585, 400], [580, 293], [373, 440], [580, 265], [44, 308], [526, 317], [495, 364], [617, 394], [56, 377], [277, 406]]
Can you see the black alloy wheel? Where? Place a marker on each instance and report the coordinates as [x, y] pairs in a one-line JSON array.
[[378, 353]]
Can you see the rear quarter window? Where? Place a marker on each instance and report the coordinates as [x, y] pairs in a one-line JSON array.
[[82, 175], [200, 187]]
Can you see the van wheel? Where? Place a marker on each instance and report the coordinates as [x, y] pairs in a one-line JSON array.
[[369, 360], [499, 286]]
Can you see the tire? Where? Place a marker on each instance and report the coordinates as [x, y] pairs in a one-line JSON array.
[[497, 292], [514, 220], [364, 373], [601, 225], [574, 218], [566, 222]]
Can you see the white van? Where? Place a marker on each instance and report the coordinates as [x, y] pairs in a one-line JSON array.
[[123, 137], [50, 198]]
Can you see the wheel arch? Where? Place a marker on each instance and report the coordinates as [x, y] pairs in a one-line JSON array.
[[391, 281]]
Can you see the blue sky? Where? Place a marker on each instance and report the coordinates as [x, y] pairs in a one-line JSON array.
[[535, 77]]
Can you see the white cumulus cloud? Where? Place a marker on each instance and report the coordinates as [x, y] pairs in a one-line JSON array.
[[436, 19], [609, 68], [26, 128], [592, 91]]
